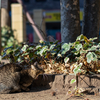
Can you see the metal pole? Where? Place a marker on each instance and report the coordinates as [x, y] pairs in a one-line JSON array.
[[31, 21]]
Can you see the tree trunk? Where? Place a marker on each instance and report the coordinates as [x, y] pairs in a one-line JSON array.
[[70, 20], [91, 19]]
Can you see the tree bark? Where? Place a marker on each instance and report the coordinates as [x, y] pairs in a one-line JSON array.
[[70, 20], [91, 18]]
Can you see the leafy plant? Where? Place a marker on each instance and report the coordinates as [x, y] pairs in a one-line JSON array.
[[73, 81], [8, 38], [83, 51], [80, 57]]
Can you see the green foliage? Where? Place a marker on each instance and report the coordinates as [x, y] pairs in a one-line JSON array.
[[8, 37], [64, 52], [73, 81], [66, 59], [82, 48], [77, 68], [91, 56]]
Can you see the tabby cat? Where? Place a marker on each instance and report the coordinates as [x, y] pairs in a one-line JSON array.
[[13, 78]]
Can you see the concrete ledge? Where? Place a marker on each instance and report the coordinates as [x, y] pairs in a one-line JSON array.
[[61, 83], [89, 81]]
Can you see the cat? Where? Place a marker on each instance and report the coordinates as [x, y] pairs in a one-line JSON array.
[[13, 78]]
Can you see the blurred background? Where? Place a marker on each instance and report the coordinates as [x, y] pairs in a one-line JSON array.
[[45, 13]]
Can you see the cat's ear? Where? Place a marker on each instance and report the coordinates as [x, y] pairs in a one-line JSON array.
[[36, 64], [33, 67]]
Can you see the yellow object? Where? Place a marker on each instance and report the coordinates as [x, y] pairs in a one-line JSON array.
[[52, 17], [81, 15], [56, 16]]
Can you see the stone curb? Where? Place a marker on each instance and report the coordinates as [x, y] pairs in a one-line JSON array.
[[62, 82]]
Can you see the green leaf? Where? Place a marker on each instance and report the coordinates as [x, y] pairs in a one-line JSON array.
[[9, 44], [93, 48], [98, 44], [91, 56], [43, 50], [73, 81], [92, 39], [52, 46], [80, 37], [85, 46], [63, 52], [24, 47], [66, 59], [53, 52], [78, 47], [30, 48], [38, 46], [66, 46], [77, 42], [76, 52], [24, 54], [4, 39], [3, 44], [41, 41], [19, 59], [83, 51], [59, 55], [17, 54], [94, 56], [80, 65], [77, 69]]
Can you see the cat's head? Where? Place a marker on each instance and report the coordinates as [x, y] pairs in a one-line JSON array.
[[36, 70]]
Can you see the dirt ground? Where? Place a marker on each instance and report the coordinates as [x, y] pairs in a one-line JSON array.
[[44, 94], [53, 82]]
